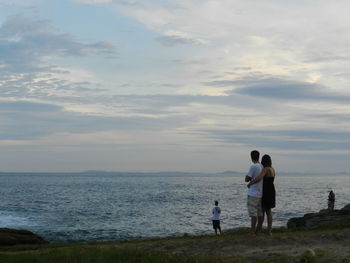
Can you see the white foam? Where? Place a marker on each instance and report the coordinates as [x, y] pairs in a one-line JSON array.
[[11, 220]]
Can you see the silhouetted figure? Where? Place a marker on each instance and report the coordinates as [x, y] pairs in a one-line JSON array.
[[331, 200], [216, 211]]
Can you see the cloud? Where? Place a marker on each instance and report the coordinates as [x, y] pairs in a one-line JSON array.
[[18, 3], [268, 36], [24, 120], [273, 82], [273, 88], [24, 106], [94, 1], [81, 114], [51, 85], [171, 38], [29, 67], [286, 140], [282, 89], [29, 45]]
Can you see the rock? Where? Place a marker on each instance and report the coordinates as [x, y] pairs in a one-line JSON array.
[[315, 219], [346, 208], [10, 237]]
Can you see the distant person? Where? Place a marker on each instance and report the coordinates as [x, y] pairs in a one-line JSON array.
[[268, 200], [331, 200], [254, 194], [216, 211]]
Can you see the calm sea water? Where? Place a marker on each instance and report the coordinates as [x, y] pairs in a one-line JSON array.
[[97, 207]]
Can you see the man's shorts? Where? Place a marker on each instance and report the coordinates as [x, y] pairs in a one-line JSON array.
[[254, 206], [216, 224]]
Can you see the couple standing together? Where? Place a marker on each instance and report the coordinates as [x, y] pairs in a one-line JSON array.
[[261, 192]]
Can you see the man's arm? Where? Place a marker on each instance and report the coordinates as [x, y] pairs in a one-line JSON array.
[[247, 178]]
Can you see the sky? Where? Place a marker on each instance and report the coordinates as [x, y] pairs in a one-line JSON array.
[[181, 85]]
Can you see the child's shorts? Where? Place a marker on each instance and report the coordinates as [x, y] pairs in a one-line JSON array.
[[216, 224]]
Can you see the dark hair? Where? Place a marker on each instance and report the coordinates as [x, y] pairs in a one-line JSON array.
[[266, 161], [255, 155], [216, 202]]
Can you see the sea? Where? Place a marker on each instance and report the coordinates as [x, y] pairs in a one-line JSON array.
[[105, 206]]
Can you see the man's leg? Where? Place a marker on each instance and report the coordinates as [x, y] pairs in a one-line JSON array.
[[260, 216], [260, 223], [253, 220]]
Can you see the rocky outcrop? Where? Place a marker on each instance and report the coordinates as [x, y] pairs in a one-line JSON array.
[[10, 237], [315, 219]]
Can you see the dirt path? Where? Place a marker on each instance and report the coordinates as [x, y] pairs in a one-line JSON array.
[[331, 246]]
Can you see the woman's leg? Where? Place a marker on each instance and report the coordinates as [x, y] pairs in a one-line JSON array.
[[269, 220]]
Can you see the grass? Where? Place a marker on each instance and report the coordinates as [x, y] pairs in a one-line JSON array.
[[115, 255], [169, 250], [105, 255], [110, 252]]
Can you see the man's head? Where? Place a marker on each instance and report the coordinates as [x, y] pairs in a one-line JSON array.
[[255, 155], [216, 202]]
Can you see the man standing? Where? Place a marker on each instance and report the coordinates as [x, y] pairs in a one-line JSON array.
[[331, 200], [255, 194]]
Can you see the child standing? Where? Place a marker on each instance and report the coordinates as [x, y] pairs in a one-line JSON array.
[[216, 217]]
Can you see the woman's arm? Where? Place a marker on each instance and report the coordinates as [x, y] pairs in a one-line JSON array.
[[249, 175], [258, 179]]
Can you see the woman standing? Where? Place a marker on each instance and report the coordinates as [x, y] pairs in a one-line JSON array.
[[268, 200]]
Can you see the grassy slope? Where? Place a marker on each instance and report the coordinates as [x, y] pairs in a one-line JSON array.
[[330, 242]]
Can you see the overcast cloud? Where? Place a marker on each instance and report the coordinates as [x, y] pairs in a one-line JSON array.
[[174, 85]]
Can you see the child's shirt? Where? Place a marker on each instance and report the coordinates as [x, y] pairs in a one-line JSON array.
[[216, 213]]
